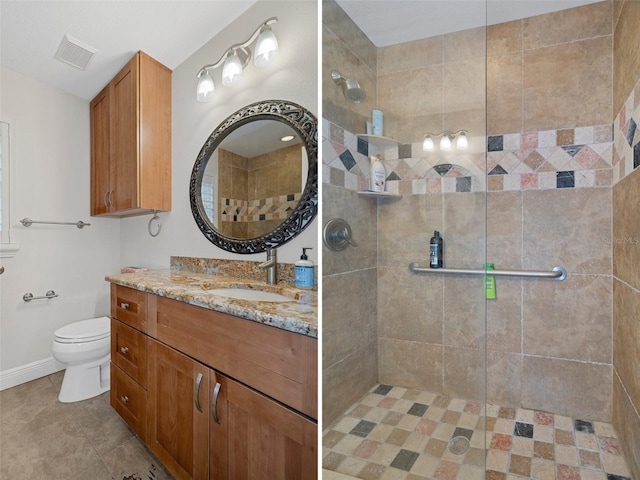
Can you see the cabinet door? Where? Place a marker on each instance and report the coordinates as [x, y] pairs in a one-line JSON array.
[[124, 137], [178, 411], [261, 438], [100, 151]]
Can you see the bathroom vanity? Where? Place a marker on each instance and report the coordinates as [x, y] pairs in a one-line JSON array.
[[216, 387]]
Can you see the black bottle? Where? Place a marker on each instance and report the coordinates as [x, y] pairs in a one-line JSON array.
[[435, 250]]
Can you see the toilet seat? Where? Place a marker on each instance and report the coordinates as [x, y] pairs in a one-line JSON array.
[[84, 331]]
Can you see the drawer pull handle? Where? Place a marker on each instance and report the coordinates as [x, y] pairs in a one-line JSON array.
[[124, 350], [124, 399], [214, 403], [196, 392], [124, 305]]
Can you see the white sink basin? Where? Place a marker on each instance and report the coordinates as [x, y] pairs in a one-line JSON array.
[[251, 295]]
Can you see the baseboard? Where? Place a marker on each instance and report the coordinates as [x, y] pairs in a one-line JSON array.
[[31, 371]]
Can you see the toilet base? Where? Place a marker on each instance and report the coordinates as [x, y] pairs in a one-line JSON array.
[[85, 381]]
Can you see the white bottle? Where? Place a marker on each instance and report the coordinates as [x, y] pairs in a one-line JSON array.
[[378, 175], [377, 120], [304, 271]]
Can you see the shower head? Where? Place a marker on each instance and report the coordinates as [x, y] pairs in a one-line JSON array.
[[350, 88]]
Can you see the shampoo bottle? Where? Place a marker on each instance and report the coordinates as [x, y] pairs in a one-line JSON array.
[[378, 175], [489, 283], [304, 271], [436, 246]]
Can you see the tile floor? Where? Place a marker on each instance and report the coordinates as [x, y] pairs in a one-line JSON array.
[[43, 439], [402, 434]]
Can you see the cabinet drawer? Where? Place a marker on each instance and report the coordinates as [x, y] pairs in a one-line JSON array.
[[129, 306], [130, 400], [129, 351]]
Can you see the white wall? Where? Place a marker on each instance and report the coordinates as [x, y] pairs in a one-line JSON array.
[[293, 77], [51, 154]]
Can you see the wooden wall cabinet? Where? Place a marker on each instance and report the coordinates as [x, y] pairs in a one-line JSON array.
[[131, 141], [218, 390]]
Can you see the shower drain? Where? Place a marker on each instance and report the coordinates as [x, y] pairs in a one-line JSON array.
[[459, 445]]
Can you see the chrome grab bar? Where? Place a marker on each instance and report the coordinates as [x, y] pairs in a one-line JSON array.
[[558, 273], [27, 297], [27, 222]]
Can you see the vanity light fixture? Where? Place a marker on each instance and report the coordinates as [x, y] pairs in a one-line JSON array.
[[237, 57], [287, 138], [446, 140]]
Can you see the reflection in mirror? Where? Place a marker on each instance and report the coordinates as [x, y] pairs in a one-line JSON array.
[[265, 167], [254, 184]]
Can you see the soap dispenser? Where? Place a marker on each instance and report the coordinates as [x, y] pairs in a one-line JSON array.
[[304, 270]]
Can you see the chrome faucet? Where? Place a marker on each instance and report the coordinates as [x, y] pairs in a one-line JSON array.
[[271, 266]]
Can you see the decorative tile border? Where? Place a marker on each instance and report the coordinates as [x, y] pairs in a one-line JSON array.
[[565, 158], [626, 132], [274, 208]]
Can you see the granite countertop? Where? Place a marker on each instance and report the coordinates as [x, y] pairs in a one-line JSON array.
[[299, 316]]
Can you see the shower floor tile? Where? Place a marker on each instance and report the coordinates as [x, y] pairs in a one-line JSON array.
[[395, 433]]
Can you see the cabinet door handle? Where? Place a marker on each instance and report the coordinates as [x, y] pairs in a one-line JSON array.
[[214, 403], [124, 350], [111, 199], [196, 392], [124, 305], [124, 399], [105, 199]]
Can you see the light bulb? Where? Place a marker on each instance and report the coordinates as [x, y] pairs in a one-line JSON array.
[[232, 70], [445, 142], [266, 48], [462, 142], [427, 145], [206, 88]]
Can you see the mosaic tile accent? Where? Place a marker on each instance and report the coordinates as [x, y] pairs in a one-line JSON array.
[[580, 157], [235, 210], [626, 147], [407, 442]]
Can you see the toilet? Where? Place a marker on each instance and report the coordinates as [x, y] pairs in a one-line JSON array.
[[85, 348]]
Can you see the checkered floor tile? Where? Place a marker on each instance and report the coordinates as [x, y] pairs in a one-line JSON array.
[[403, 434]]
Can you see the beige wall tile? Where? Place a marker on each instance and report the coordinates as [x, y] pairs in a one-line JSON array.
[[626, 338], [504, 229], [464, 373], [410, 55], [569, 25], [626, 53], [348, 314], [504, 378], [504, 94], [568, 227], [465, 45], [575, 389], [360, 213], [464, 311], [504, 38], [627, 424], [409, 306], [345, 382], [568, 85], [405, 228], [504, 325], [626, 229], [465, 85], [569, 319], [410, 364], [464, 229]]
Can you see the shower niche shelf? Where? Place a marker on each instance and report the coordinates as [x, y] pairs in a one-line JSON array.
[[366, 193], [379, 140]]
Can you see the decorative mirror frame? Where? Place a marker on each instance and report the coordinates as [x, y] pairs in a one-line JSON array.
[[305, 125]]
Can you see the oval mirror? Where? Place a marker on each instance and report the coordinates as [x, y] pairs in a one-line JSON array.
[[254, 184]]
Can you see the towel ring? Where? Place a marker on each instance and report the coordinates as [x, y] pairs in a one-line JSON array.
[[155, 217]]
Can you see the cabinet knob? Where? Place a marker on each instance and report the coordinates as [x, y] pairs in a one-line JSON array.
[[124, 350], [124, 305], [124, 399]]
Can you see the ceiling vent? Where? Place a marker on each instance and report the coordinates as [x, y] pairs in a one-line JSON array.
[[75, 53]]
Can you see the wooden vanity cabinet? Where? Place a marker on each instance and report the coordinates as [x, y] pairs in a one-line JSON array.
[[220, 391], [131, 141]]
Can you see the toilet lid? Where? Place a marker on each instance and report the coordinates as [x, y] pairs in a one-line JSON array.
[[84, 330]]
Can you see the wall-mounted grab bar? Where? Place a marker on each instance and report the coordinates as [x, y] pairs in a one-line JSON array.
[[27, 222], [558, 273], [27, 297]]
